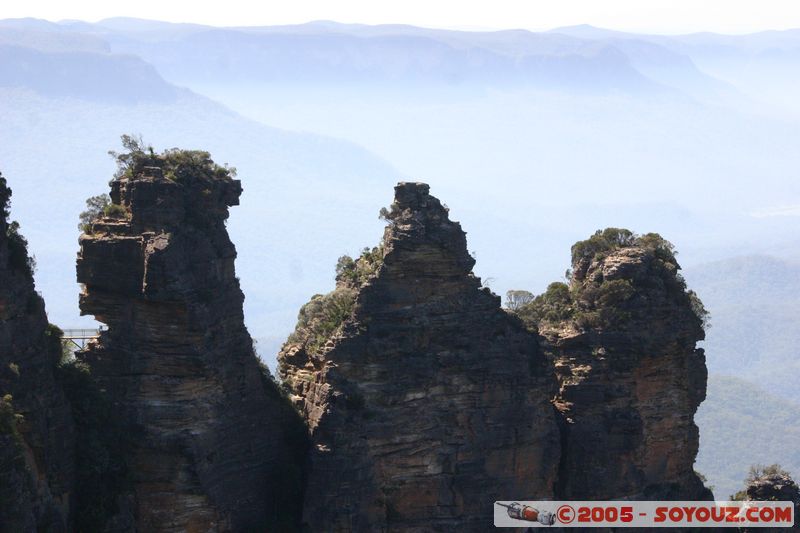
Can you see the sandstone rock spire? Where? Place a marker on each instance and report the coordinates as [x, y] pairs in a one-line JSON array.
[[206, 443], [622, 338], [425, 400]]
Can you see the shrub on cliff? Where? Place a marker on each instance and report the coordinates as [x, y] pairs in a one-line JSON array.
[[17, 244], [176, 164], [322, 316], [18, 250], [8, 418], [699, 309], [603, 303], [611, 239], [356, 272], [115, 211], [663, 249], [54, 340], [5, 197], [555, 305], [95, 206], [602, 241]]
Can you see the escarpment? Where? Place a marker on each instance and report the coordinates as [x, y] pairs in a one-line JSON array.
[[622, 340], [206, 443], [421, 401], [36, 427], [425, 400]]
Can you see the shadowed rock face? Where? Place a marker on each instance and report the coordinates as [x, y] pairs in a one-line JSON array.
[[427, 402], [424, 400], [631, 379], [36, 451], [206, 440]]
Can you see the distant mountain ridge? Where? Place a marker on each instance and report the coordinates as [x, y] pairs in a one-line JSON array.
[[763, 65], [346, 53], [657, 144], [81, 74], [564, 59]]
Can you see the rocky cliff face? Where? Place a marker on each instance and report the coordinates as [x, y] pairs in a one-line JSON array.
[[622, 340], [425, 401], [205, 428], [36, 429]]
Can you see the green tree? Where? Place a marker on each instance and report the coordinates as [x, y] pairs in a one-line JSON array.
[[553, 306], [356, 272], [95, 206], [516, 299], [175, 164], [602, 241], [136, 151], [322, 316]]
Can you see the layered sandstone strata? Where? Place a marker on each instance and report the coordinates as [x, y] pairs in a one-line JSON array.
[[205, 443], [426, 402], [622, 338]]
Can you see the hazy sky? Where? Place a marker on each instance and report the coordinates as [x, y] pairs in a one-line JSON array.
[[660, 16]]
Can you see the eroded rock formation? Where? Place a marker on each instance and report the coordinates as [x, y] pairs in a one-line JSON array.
[[425, 400], [205, 427], [622, 340], [36, 429]]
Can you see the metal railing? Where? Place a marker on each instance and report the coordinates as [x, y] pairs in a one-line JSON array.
[[77, 338]]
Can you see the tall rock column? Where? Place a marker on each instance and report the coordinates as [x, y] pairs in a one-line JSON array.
[[426, 401], [205, 444], [36, 430], [622, 338]]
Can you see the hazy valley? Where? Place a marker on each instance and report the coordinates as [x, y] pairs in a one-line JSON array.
[[535, 139]]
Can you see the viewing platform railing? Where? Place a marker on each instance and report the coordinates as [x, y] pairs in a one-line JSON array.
[[78, 338]]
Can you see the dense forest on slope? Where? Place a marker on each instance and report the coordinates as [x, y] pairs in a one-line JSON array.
[[755, 315], [742, 424]]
